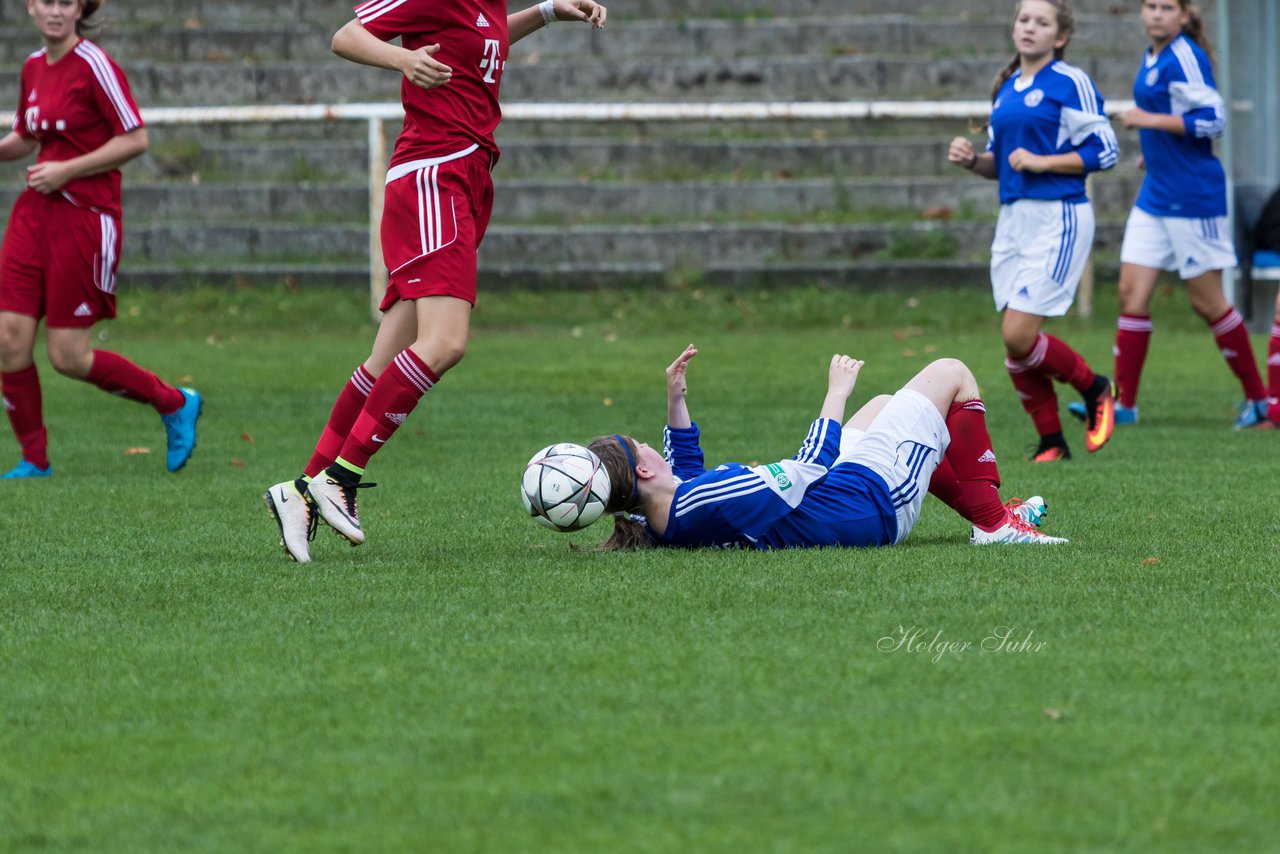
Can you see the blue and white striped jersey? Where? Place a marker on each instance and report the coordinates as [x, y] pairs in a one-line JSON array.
[[799, 502], [1184, 178], [1056, 112]]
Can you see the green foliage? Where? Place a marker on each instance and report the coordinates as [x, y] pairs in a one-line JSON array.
[[465, 681], [920, 243]]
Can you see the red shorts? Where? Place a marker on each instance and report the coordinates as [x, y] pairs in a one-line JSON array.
[[434, 216], [59, 262]]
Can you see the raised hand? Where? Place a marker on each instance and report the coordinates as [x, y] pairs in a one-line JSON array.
[[676, 383], [587, 11], [677, 407], [843, 375]]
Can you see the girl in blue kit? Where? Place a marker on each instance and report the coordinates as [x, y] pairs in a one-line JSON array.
[[1179, 221], [1047, 131], [860, 484]]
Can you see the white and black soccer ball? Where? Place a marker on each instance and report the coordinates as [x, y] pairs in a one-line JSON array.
[[565, 487]]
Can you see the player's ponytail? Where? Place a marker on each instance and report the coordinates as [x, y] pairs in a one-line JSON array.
[[1005, 74], [87, 10], [628, 533], [1066, 27], [1195, 28]]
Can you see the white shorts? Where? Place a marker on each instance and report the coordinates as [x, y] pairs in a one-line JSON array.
[[1039, 254], [904, 445], [1189, 245]]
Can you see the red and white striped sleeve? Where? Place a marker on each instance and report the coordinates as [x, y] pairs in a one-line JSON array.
[[387, 19], [112, 90]]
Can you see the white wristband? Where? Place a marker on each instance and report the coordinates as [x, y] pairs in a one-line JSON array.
[[548, 10]]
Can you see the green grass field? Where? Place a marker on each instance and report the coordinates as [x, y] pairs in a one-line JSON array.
[[465, 681]]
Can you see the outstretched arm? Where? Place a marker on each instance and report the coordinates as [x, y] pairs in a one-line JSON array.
[[15, 145], [842, 376], [51, 175], [677, 388], [353, 42], [526, 21]]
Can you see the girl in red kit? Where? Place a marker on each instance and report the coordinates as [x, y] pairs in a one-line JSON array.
[[62, 244], [437, 204]]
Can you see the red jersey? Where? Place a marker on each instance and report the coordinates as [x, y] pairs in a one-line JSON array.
[[74, 106], [464, 112]]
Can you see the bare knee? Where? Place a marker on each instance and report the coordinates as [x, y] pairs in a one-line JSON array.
[[944, 382], [442, 351], [17, 338], [1207, 298], [1135, 289], [1018, 342], [70, 358], [953, 369]]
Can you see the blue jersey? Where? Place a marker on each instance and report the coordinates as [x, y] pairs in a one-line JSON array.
[[801, 502], [1058, 111], [1184, 178]]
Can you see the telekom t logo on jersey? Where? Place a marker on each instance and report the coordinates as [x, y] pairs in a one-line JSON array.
[[492, 61]]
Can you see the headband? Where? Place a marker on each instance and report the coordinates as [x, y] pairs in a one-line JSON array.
[[635, 484]]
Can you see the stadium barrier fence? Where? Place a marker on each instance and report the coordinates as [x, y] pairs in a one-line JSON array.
[[377, 115]]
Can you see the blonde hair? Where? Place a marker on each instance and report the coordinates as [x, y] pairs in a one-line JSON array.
[[1066, 26], [628, 534]]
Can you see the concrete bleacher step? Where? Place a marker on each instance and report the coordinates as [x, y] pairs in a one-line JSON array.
[[691, 245], [571, 201], [198, 13], [494, 278], [803, 78], [625, 39], [592, 204]]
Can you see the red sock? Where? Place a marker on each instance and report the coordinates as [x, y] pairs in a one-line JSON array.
[[1233, 341], [1035, 390], [116, 375], [973, 464], [1056, 360], [394, 395], [1133, 337], [22, 404], [1273, 375], [345, 411]]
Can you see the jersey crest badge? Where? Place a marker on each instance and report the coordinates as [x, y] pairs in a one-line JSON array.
[[1034, 97], [780, 475], [1152, 76]]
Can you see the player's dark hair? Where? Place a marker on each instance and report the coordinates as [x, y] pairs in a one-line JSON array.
[[627, 534], [1066, 26], [87, 10], [1194, 28]]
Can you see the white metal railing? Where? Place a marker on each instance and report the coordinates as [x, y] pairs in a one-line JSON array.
[[377, 115]]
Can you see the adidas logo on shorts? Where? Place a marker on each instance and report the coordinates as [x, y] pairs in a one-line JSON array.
[[396, 417], [83, 310], [482, 21], [987, 457], [9, 407]]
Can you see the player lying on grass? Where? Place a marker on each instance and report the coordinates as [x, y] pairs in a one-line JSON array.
[[860, 485]]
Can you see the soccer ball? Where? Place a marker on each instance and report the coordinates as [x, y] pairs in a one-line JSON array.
[[565, 487]]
